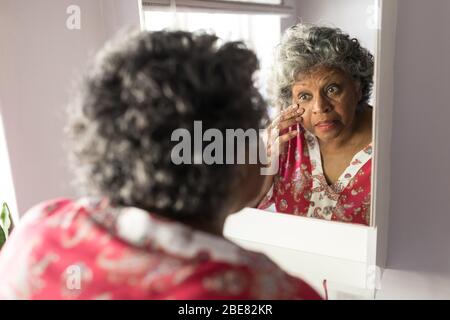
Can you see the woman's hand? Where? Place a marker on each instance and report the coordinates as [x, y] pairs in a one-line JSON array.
[[277, 136]]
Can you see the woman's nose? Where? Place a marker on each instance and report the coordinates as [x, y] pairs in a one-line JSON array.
[[321, 105]]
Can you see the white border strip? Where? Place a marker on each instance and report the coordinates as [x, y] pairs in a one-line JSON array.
[[332, 239]]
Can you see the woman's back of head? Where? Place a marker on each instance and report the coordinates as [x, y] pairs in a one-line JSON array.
[[138, 92]]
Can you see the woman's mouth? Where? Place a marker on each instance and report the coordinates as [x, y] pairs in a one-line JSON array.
[[326, 125]]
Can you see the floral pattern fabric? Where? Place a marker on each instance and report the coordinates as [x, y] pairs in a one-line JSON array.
[[86, 249], [300, 187]]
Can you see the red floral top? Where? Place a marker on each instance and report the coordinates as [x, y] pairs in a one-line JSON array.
[[86, 249], [300, 186]]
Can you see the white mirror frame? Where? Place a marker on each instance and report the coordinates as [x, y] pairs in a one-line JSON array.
[[349, 257]]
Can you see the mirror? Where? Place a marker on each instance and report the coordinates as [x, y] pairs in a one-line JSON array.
[[325, 170], [325, 166], [316, 218]]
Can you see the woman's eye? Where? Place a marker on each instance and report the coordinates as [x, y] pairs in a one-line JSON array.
[[303, 97], [333, 89]]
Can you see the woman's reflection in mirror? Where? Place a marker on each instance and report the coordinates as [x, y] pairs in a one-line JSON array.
[[322, 82]]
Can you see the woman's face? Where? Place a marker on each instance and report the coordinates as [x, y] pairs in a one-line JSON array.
[[330, 98]]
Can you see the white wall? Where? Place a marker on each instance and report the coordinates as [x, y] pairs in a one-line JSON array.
[[292, 19], [419, 237], [418, 264], [39, 60], [120, 14], [352, 16]]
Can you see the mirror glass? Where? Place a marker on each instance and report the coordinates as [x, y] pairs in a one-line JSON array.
[[318, 78]]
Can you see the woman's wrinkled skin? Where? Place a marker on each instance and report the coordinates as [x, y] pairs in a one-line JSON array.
[[326, 102], [333, 114]]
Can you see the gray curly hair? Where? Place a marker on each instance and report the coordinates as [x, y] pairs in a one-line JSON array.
[[142, 88], [304, 47]]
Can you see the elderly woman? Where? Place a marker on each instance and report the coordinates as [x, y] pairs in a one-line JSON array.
[[322, 81], [147, 228]]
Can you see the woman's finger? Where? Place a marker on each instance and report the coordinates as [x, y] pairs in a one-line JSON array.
[[280, 141], [291, 109], [288, 136], [289, 123], [290, 113], [279, 145]]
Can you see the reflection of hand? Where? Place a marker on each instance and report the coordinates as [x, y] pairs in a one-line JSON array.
[[277, 134]]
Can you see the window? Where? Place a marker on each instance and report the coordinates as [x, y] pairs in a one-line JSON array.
[[259, 1], [256, 22]]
